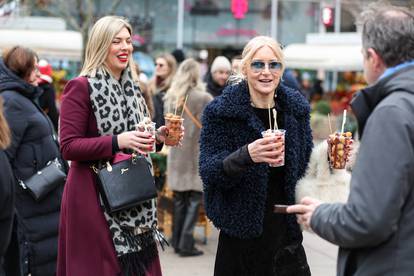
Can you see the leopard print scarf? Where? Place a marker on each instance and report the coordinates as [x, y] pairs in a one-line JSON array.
[[118, 106]]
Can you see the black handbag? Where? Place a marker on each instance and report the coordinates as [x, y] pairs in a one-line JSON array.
[[125, 184], [45, 180]]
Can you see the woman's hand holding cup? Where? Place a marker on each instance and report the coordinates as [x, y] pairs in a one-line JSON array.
[[270, 149], [138, 141]]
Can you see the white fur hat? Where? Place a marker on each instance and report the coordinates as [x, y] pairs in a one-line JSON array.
[[220, 62]]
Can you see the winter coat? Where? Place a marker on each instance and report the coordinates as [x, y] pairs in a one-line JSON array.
[[85, 243], [212, 87], [158, 102], [31, 148], [182, 165], [374, 229], [47, 102], [235, 203], [7, 186]]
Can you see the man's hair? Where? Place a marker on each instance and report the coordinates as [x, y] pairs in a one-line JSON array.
[[389, 30]]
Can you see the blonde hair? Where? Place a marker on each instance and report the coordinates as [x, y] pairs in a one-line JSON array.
[[100, 39], [4, 129], [165, 83], [187, 79], [254, 45]]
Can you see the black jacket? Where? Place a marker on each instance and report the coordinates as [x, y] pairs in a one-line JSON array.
[[31, 148], [6, 205], [47, 102]]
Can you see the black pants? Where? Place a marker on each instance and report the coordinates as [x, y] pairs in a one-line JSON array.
[[186, 205]]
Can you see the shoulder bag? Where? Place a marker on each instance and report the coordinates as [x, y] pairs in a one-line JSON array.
[[125, 183], [49, 177]]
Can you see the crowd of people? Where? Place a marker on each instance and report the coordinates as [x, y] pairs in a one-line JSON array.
[[244, 143]]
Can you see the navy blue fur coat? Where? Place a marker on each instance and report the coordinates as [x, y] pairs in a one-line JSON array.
[[236, 203]]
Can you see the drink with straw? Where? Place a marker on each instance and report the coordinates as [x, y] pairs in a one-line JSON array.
[[338, 146], [147, 125], [276, 132], [174, 123]]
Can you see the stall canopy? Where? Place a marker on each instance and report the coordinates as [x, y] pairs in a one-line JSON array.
[[46, 43], [332, 52]]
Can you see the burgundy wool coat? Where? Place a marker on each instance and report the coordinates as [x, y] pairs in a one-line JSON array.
[[85, 244]]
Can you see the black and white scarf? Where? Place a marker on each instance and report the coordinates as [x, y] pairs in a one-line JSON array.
[[118, 106]]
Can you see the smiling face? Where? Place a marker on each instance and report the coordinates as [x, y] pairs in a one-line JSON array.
[[263, 82], [119, 52]]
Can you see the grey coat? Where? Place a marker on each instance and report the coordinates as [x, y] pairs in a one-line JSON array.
[[182, 162], [375, 228]]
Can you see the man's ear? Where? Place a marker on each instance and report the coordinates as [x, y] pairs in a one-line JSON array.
[[376, 60]]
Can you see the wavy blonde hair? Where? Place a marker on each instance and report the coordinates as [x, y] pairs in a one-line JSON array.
[[4, 129], [185, 80], [99, 42], [165, 83], [254, 45]]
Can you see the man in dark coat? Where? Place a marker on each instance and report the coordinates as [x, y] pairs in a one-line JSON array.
[[374, 228]]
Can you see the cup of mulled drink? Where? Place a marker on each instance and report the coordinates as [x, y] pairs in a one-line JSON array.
[[276, 133], [338, 149], [147, 125], [174, 126]]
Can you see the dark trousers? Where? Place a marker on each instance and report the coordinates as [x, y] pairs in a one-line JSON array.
[[186, 205]]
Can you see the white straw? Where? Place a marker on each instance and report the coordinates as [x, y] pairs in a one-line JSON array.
[[329, 121], [343, 121], [185, 101], [275, 119], [270, 121]]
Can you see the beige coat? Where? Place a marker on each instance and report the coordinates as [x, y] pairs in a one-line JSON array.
[[182, 162]]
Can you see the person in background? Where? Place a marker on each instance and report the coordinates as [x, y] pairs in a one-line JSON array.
[[374, 227], [179, 55], [290, 80], [240, 188], [99, 113], [33, 249], [144, 90], [182, 164], [217, 78], [47, 99], [235, 64], [165, 67], [7, 183]]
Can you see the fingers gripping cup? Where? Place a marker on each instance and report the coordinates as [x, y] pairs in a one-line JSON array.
[[174, 126], [147, 125], [277, 133], [338, 149]]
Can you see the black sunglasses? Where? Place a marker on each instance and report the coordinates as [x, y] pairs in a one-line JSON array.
[[259, 66]]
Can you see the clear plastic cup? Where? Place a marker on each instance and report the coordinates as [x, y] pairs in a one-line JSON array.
[[148, 126], [338, 149], [173, 124], [277, 133]]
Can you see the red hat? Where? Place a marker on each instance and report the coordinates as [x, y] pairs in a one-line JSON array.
[[45, 71]]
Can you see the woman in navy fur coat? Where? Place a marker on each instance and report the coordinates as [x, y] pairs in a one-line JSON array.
[[240, 187]]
